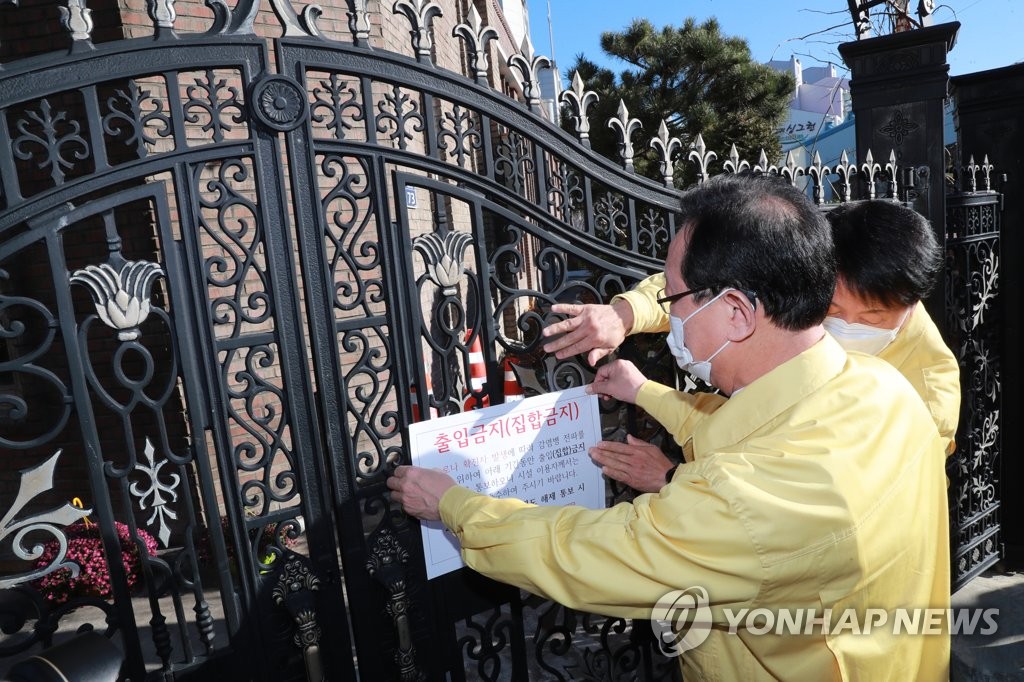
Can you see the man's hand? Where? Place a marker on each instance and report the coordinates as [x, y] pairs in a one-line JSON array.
[[419, 490], [599, 329], [619, 379], [640, 465]]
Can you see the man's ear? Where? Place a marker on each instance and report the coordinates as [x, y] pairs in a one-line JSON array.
[[742, 315]]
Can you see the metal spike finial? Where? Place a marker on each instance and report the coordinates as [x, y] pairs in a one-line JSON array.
[[76, 19], [972, 174], [420, 14], [891, 170], [162, 13], [666, 146], [818, 173], [625, 127], [790, 170], [870, 169], [972, 169], [701, 157], [734, 164], [526, 47], [579, 100], [359, 23], [477, 36], [762, 166], [845, 170], [529, 67]]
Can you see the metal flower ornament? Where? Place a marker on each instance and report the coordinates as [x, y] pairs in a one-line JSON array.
[[121, 296]]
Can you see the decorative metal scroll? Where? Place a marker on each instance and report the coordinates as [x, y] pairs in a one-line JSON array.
[[32, 483], [237, 357], [974, 321]]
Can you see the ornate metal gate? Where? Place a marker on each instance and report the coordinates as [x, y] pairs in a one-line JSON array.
[[973, 323], [226, 287], [210, 338]]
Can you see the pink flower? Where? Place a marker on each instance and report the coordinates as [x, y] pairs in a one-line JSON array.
[[85, 548]]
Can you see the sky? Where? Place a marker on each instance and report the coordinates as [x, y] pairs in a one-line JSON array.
[[991, 33]]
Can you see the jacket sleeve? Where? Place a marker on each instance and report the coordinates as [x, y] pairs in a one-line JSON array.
[[648, 317], [932, 369], [618, 561], [942, 396], [677, 411]]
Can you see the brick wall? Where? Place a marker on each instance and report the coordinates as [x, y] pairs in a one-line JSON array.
[[34, 28]]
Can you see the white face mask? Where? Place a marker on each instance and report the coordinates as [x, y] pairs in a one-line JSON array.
[[677, 345], [862, 338]]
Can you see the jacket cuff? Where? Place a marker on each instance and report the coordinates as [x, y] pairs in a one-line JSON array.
[[451, 504], [652, 394]]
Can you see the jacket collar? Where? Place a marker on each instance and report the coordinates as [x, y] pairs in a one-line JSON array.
[[769, 396], [913, 329]]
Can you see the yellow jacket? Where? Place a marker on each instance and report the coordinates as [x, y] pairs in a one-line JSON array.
[[820, 485], [918, 352]]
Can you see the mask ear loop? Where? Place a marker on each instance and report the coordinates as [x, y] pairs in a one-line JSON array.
[[705, 305], [903, 319], [720, 349], [727, 341]]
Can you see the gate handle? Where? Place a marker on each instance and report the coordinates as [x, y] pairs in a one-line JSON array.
[[386, 566], [294, 590]]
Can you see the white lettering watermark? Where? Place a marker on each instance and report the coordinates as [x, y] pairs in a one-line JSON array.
[[682, 620], [900, 621]]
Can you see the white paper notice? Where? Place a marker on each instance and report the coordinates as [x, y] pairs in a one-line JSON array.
[[534, 449]]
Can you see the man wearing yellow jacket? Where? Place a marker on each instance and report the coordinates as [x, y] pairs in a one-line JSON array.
[[887, 261], [818, 485]]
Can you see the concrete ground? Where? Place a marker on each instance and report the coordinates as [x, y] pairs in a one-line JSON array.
[[997, 656]]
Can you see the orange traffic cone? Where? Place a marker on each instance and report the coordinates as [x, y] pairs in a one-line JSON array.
[[477, 374], [513, 391], [431, 410]]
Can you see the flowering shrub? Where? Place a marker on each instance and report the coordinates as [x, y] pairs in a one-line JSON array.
[[85, 548]]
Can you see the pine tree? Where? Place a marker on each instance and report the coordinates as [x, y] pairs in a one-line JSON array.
[[698, 81]]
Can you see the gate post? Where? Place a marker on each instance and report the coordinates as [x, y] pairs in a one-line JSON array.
[[988, 119], [898, 86]]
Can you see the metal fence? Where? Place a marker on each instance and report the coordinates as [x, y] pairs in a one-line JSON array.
[[226, 285]]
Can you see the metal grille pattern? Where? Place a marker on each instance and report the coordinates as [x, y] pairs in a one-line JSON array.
[[219, 284], [973, 321]]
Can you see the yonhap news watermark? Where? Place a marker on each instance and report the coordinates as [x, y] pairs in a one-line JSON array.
[[682, 620]]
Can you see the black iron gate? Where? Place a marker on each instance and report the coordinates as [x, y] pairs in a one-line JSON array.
[[974, 323], [225, 289], [210, 338]]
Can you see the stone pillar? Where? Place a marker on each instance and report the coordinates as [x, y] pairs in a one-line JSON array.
[[898, 85], [989, 119]]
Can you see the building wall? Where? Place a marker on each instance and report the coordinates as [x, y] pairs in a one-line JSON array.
[[34, 28]]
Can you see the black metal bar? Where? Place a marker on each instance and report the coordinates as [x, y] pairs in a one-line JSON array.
[[95, 118], [94, 456]]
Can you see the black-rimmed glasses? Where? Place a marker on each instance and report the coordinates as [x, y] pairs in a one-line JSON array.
[[666, 301]]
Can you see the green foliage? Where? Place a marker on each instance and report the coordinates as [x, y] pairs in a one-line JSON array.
[[695, 78]]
